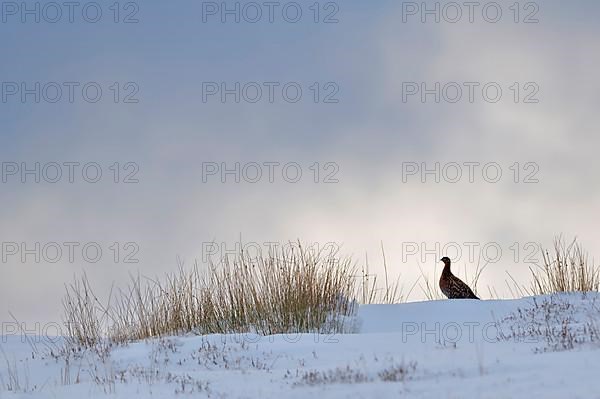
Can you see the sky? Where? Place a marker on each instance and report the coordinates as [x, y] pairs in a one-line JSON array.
[[134, 134]]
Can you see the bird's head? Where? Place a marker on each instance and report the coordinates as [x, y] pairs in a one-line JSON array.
[[446, 260]]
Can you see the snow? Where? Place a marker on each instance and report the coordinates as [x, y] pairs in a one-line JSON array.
[[543, 347]]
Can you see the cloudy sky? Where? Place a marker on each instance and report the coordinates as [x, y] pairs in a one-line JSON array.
[[399, 125]]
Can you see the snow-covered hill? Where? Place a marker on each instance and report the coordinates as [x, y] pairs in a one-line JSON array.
[[542, 347]]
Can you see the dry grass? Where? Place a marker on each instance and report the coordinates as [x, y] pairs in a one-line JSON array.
[[555, 322], [567, 269], [370, 292], [288, 291], [17, 376], [398, 372], [83, 313]]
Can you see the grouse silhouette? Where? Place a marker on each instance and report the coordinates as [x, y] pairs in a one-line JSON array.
[[452, 286]]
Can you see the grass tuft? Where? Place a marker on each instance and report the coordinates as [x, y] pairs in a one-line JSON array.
[[289, 290], [567, 269]]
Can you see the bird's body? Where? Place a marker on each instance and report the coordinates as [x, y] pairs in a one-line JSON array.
[[452, 286]]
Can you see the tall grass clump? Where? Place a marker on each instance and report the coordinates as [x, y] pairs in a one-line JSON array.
[[289, 290], [566, 269], [83, 314]]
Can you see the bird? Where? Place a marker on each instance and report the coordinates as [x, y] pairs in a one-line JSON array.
[[452, 286]]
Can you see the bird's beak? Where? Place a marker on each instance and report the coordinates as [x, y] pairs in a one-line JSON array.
[[441, 260]]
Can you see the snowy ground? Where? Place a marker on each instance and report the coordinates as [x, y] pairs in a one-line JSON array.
[[544, 347]]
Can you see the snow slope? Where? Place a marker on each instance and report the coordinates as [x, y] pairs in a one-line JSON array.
[[544, 347]]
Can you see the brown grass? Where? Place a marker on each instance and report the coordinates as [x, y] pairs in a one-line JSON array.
[[288, 291], [566, 269], [370, 291], [83, 313]]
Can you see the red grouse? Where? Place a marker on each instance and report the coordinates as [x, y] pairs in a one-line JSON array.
[[452, 286]]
